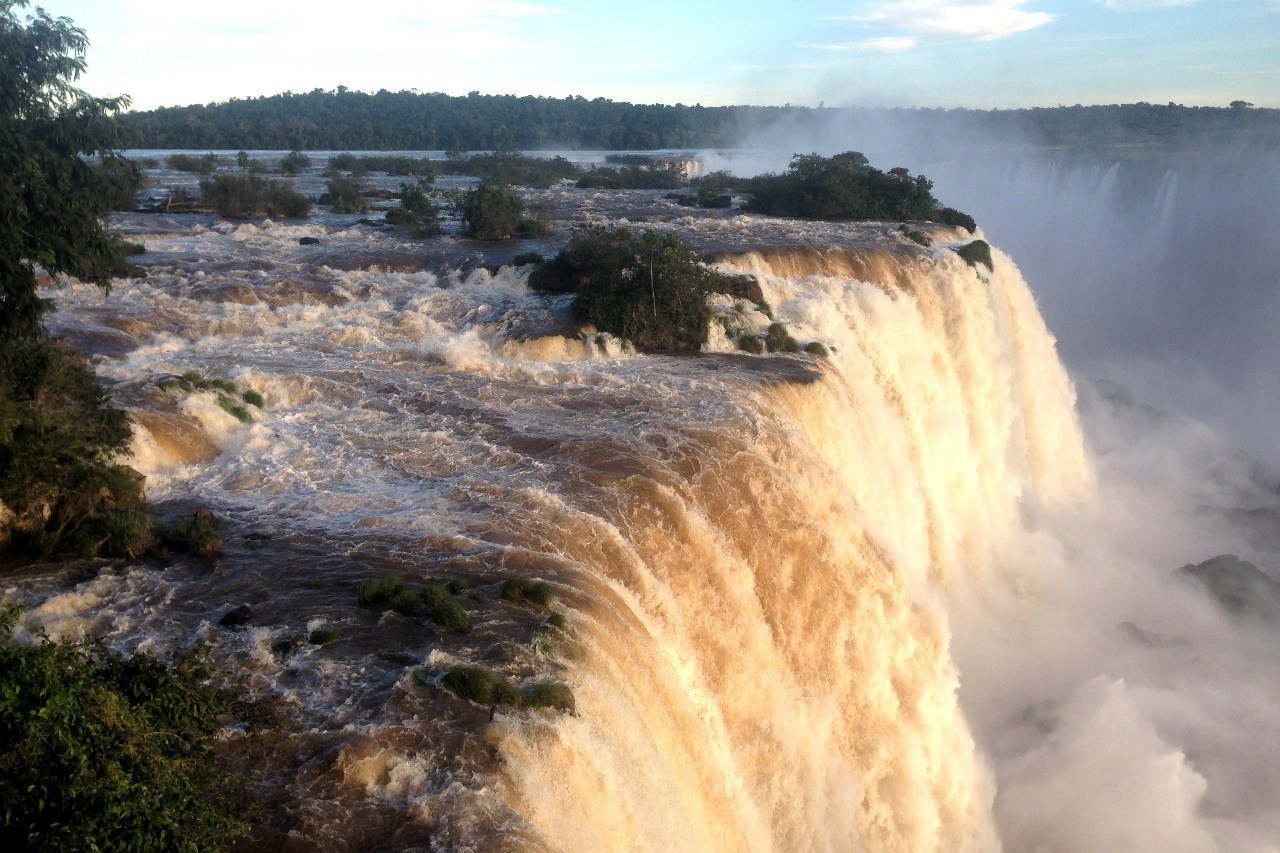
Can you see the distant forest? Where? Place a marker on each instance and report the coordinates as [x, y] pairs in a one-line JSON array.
[[391, 121]]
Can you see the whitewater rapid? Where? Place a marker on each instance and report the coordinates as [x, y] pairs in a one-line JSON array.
[[762, 559]]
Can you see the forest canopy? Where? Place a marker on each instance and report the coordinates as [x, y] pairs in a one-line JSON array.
[[343, 119]]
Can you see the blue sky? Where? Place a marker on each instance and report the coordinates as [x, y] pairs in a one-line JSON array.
[[979, 53]]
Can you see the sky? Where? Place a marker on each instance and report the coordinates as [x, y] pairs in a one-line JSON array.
[[931, 53]]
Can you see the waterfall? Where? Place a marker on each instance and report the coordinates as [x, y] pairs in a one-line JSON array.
[[766, 662]]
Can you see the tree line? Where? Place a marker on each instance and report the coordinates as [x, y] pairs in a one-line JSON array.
[[343, 119]]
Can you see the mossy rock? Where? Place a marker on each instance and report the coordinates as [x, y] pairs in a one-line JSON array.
[[751, 344], [527, 591], [433, 595], [816, 348], [778, 339], [977, 252], [451, 616], [481, 686], [558, 621], [406, 602], [200, 533], [369, 593], [549, 694], [324, 636]]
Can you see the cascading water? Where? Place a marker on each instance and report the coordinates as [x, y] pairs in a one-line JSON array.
[[758, 556]]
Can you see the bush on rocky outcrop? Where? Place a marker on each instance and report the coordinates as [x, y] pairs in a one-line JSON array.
[[648, 289], [977, 252], [240, 196], [493, 212]]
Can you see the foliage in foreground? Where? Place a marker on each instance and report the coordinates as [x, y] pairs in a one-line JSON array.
[[100, 752], [648, 289]]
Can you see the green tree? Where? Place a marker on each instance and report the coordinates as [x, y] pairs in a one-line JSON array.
[[52, 199], [59, 486], [491, 211]]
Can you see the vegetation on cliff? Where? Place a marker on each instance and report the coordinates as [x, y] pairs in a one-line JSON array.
[[845, 186]]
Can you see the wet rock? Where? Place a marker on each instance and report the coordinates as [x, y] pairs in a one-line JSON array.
[[308, 241], [283, 648], [1237, 585], [236, 617]]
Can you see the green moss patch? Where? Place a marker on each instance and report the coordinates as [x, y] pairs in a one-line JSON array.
[[526, 591]]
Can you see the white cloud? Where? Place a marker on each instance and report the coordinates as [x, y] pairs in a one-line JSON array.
[[981, 20], [888, 44], [1131, 5]]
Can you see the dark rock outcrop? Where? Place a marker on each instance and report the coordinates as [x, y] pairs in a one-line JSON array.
[[1237, 585]]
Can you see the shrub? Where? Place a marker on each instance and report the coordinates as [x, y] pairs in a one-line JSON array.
[[369, 593], [346, 195], [631, 178], [951, 216], [200, 532], [205, 165], [130, 533], [816, 348], [977, 252], [764, 308], [559, 622], [491, 212], [511, 168], [99, 752], [344, 162], [524, 590], [59, 438], [482, 686], [528, 258], [233, 196], [416, 211], [451, 616], [418, 167], [406, 602], [279, 200], [294, 163], [532, 227], [777, 339], [549, 694], [433, 595], [230, 398], [751, 343]]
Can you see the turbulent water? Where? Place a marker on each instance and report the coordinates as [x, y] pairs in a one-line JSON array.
[[764, 561]]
